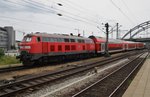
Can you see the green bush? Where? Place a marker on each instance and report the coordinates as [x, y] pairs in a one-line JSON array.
[[1, 52], [8, 60]]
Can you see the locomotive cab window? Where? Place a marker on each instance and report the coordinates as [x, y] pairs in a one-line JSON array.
[[27, 39]]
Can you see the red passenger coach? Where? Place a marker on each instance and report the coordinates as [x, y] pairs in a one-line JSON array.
[[41, 47], [139, 45], [113, 45], [129, 45]]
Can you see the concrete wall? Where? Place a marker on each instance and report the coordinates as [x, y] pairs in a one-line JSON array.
[[3, 38]]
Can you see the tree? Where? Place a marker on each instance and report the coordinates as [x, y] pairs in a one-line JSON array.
[[1, 52]]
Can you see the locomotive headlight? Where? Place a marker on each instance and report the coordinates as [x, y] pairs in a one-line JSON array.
[[27, 47]]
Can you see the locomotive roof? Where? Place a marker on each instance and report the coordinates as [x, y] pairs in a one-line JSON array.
[[58, 36]]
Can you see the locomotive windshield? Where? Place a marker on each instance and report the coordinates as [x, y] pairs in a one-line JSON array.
[[27, 39]]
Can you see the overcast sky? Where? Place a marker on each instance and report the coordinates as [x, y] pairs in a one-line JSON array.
[[77, 15]]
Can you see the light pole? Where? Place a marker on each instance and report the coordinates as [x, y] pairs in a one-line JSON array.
[[117, 30], [77, 30]]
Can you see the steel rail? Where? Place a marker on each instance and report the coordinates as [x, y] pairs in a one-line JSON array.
[[15, 87], [84, 91], [8, 69], [17, 68], [115, 92]]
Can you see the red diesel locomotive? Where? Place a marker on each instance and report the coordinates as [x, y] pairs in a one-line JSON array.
[[41, 47]]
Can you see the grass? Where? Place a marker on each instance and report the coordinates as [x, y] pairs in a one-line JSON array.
[[6, 60]]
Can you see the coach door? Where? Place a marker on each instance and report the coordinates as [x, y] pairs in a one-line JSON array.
[[124, 47], [102, 47]]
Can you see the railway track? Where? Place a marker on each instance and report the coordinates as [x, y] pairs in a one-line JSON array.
[[113, 84], [17, 68], [8, 69], [37, 80]]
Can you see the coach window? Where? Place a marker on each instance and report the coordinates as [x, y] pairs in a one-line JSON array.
[[38, 39]]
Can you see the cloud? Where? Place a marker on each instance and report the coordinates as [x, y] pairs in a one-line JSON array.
[[41, 15], [23, 6]]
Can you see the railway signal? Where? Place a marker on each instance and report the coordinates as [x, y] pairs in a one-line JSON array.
[[106, 43]]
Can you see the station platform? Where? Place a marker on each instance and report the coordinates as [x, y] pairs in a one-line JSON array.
[[140, 86]]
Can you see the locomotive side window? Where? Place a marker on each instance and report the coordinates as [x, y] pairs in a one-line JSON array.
[[55, 39], [38, 39], [72, 40], [66, 40], [44, 39], [51, 39], [81, 41], [47, 39], [60, 40]]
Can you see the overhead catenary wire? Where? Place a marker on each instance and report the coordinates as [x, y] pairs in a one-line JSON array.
[[36, 22], [68, 16], [36, 7], [71, 14], [122, 12], [65, 15], [84, 10], [129, 10], [16, 29], [43, 8], [77, 8]]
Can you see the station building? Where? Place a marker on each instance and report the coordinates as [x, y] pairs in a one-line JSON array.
[[7, 38]]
